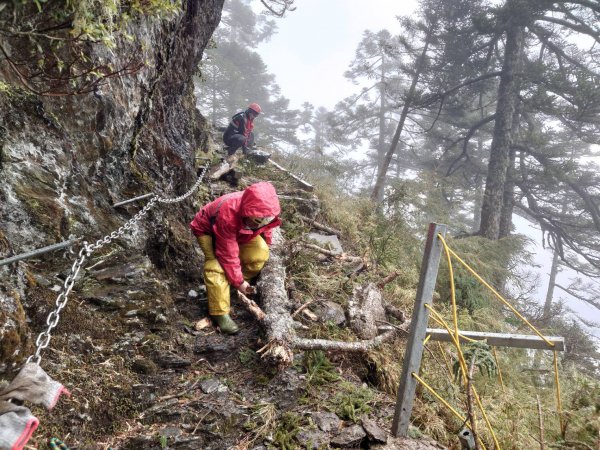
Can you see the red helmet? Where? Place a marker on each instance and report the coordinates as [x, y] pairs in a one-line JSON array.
[[255, 107]]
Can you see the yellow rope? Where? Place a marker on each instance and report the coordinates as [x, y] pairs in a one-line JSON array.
[[463, 366], [558, 401], [441, 321], [486, 284], [448, 405], [452, 290], [445, 358], [498, 367], [436, 395]]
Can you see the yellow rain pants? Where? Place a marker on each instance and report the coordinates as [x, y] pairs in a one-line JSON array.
[[253, 256]]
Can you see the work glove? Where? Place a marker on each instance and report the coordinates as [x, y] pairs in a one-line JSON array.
[[246, 289]]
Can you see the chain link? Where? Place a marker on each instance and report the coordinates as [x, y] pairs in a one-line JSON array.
[[43, 339], [188, 193]]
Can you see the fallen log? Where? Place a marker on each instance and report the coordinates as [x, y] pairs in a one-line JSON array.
[[306, 186], [320, 226], [358, 346], [225, 166], [324, 251], [279, 324]]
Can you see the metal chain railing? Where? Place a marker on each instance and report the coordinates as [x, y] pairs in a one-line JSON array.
[[43, 339]]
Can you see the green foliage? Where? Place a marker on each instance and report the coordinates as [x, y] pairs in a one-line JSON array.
[[479, 355], [162, 440], [55, 40], [286, 431], [319, 369], [247, 356], [350, 402], [470, 293]]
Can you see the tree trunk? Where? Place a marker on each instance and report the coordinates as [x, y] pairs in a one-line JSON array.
[[551, 284], [381, 142], [508, 201], [493, 199], [477, 202], [381, 175]]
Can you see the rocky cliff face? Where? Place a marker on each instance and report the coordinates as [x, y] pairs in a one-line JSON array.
[[64, 160]]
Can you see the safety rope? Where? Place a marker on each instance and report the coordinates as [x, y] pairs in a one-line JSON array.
[[464, 371], [499, 369], [449, 252], [43, 339], [439, 397], [446, 404], [486, 284]]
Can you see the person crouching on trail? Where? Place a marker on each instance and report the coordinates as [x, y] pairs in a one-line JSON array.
[[234, 233], [239, 132]]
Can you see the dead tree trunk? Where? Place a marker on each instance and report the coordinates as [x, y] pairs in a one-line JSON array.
[[278, 322]]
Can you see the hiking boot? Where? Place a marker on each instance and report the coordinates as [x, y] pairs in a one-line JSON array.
[[225, 324]]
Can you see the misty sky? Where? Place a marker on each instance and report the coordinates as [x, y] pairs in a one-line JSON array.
[[315, 44]]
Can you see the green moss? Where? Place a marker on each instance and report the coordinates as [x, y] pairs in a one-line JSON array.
[[351, 402], [286, 431], [319, 369]]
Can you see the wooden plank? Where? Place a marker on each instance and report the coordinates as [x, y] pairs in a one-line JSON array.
[[418, 330], [503, 339]]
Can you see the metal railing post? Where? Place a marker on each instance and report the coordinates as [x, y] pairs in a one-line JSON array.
[[418, 330], [39, 251]]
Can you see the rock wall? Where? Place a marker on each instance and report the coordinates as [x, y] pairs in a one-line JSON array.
[[64, 160]]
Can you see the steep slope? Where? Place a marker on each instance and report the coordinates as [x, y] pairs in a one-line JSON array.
[[64, 160]]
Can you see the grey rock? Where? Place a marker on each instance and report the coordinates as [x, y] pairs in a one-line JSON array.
[[170, 432], [161, 406], [172, 361], [212, 386], [192, 294], [216, 343], [409, 444], [350, 436], [312, 439], [329, 241], [161, 318], [330, 311], [366, 311], [327, 421], [286, 388], [374, 431], [106, 303]]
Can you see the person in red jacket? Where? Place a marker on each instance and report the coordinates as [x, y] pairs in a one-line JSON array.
[[239, 131], [234, 233]]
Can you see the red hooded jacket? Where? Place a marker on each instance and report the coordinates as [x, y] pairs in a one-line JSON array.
[[222, 219]]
